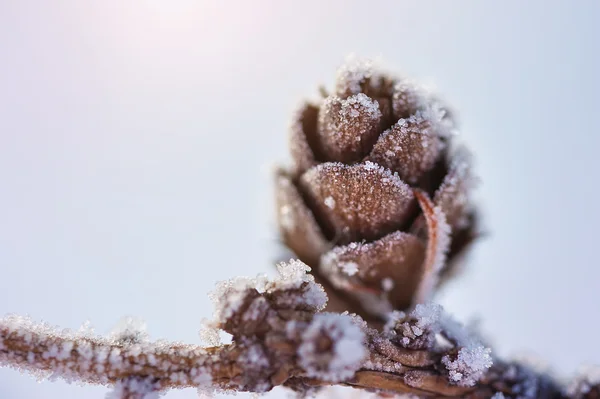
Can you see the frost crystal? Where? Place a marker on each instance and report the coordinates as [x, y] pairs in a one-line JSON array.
[[419, 330], [209, 334], [354, 72], [416, 330], [230, 295], [350, 268], [129, 330], [330, 202], [387, 284], [587, 378], [332, 347], [470, 364], [75, 356], [133, 388]]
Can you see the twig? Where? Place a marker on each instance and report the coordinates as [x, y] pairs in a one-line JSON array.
[[279, 338]]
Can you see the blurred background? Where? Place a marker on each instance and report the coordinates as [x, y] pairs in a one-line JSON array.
[[137, 140]]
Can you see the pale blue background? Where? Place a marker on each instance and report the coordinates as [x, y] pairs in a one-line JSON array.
[[136, 140]]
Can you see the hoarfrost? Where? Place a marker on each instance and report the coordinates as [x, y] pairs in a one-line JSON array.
[[129, 330], [209, 334], [75, 356], [469, 365], [330, 202], [354, 72], [347, 126], [587, 378], [350, 268], [134, 388], [420, 328], [387, 284], [345, 347], [352, 105], [230, 295]]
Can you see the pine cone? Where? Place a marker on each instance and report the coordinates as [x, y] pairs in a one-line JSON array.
[[377, 198]]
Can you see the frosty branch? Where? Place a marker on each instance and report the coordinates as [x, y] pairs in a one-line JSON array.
[[280, 337]]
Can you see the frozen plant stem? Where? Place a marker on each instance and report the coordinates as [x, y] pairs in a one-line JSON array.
[[280, 337]]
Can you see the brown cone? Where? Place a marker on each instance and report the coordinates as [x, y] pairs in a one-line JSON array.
[[348, 207]]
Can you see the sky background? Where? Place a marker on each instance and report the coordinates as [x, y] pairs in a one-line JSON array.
[[137, 140]]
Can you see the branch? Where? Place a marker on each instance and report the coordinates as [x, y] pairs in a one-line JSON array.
[[280, 338]]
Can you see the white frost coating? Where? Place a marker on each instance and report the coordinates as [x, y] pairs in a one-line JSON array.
[[387, 284], [129, 329], [254, 356], [357, 105], [354, 72], [229, 295], [350, 268], [209, 335], [470, 364], [343, 358], [473, 358], [424, 121], [139, 389], [82, 357], [428, 315], [498, 395], [330, 202], [587, 377], [408, 95]]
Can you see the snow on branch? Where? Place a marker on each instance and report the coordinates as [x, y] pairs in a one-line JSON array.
[[279, 338]]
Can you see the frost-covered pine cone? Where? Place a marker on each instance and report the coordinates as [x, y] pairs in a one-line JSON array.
[[377, 198]]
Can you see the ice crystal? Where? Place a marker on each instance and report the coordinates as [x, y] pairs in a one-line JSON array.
[[134, 388], [348, 127], [354, 73], [418, 329], [129, 330], [209, 334], [332, 347], [387, 284], [350, 268], [229, 296], [74, 356], [469, 365], [330, 202], [587, 378]]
